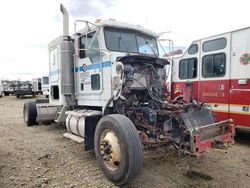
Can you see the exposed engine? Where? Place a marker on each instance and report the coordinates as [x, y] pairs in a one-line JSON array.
[[160, 121]]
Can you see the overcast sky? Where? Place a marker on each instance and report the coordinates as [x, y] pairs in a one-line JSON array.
[[27, 26]]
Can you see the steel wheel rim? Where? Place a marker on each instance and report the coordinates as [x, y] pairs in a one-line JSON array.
[[110, 149]]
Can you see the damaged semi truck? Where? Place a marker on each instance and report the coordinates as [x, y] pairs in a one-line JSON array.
[[106, 85]]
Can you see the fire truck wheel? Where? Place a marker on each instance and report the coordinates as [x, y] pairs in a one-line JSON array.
[[118, 148], [29, 113]]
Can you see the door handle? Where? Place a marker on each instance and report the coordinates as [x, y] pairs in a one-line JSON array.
[[221, 87]]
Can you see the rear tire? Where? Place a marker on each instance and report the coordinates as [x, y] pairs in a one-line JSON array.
[[118, 148], [30, 113]]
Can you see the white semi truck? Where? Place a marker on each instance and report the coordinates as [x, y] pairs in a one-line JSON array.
[[106, 85]]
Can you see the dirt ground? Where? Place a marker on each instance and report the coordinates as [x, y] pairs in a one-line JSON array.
[[40, 156]]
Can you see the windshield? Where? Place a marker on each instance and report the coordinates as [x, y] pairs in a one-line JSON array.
[[124, 40]]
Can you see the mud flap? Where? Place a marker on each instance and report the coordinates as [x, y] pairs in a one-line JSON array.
[[90, 126]]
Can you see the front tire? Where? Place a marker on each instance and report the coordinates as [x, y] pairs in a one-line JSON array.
[[29, 113], [118, 148]]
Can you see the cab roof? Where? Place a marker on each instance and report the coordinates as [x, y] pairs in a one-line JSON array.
[[122, 25]]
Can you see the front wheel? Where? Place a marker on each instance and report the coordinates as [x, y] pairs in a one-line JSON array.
[[118, 148]]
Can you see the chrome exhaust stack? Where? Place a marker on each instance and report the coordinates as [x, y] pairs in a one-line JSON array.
[[65, 21]]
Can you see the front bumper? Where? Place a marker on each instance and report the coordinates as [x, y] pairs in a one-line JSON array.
[[216, 135]]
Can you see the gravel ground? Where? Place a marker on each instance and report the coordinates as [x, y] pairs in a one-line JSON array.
[[40, 156]]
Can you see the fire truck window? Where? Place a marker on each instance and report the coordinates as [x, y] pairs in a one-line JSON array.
[[193, 49], [188, 68], [216, 44], [214, 65], [95, 81]]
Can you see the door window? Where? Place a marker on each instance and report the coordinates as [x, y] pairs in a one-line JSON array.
[[188, 68], [89, 47], [214, 65]]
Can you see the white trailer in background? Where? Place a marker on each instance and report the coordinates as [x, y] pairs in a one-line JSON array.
[[37, 86], [45, 86]]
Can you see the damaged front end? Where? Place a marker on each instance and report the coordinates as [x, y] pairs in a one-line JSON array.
[[202, 133], [189, 126]]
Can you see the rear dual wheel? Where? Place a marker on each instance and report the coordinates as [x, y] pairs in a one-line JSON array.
[[30, 113], [118, 148]]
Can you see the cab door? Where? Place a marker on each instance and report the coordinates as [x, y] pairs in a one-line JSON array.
[[214, 74], [185, 74], [89, 67]]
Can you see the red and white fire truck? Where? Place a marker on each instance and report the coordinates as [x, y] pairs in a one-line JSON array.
[[216, 70]]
